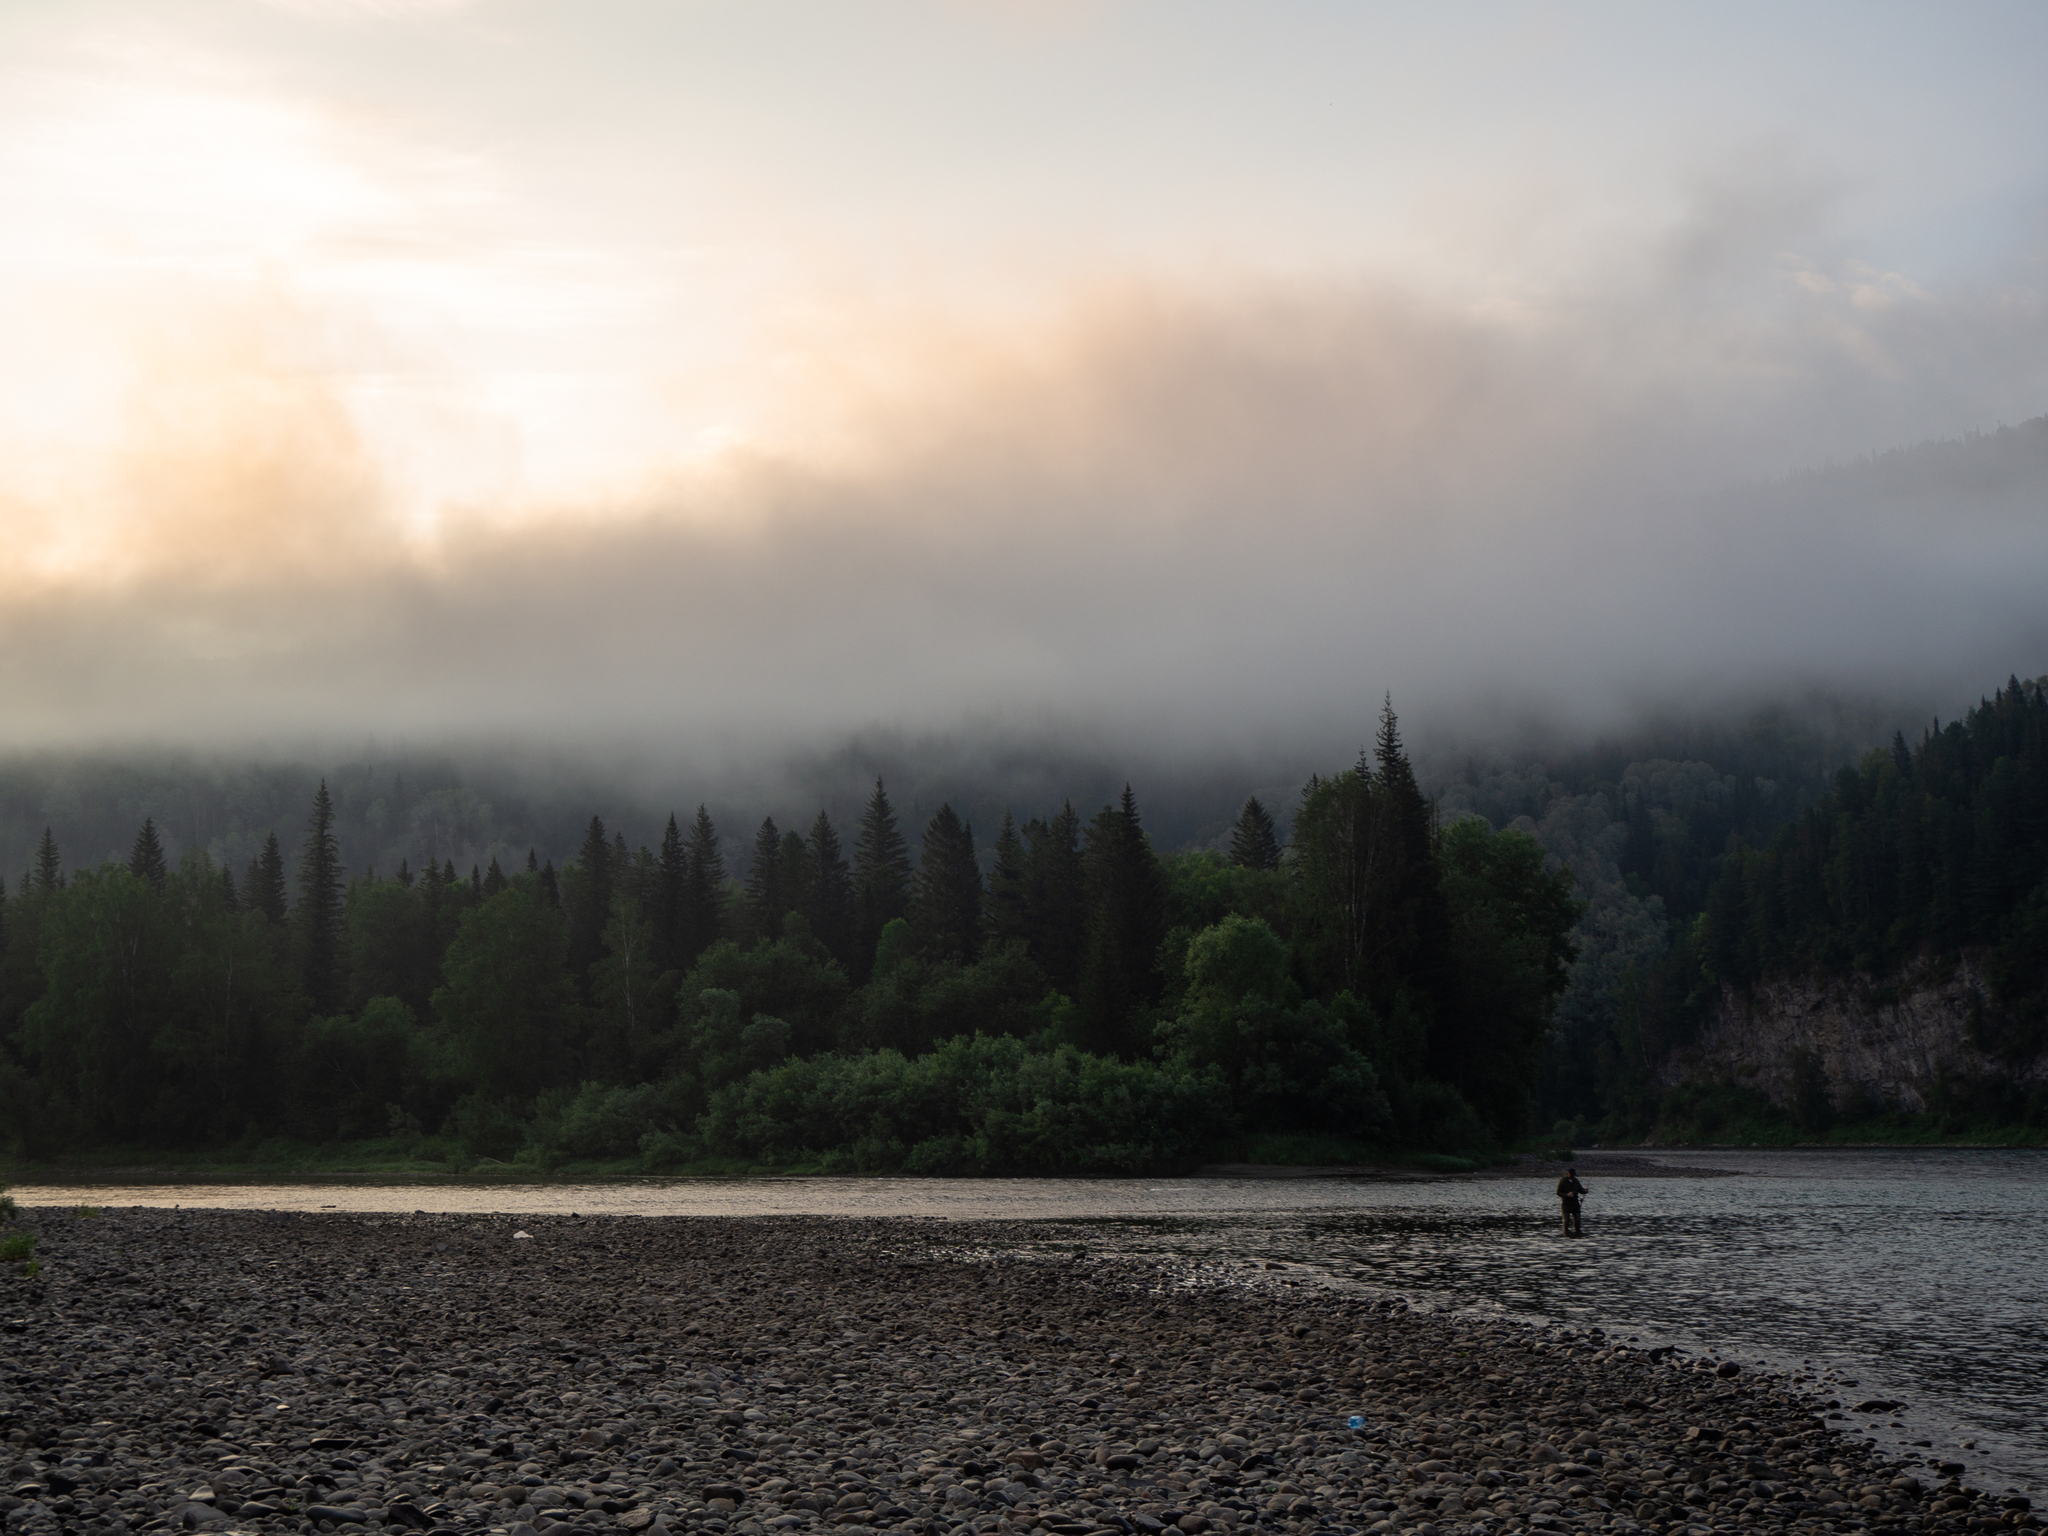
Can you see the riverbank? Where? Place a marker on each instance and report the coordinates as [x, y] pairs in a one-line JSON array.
[[265, 1372], [404, 1159]]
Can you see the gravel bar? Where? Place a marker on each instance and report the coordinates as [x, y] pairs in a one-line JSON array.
[[242, 1371]]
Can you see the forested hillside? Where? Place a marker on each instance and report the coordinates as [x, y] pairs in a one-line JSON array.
[[1702, 885], [1075, 1000], [1380, 963]]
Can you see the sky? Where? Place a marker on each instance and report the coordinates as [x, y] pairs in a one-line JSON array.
[[731, 379]]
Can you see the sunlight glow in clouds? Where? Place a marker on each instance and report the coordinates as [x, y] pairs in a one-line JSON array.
[[1099, 359]]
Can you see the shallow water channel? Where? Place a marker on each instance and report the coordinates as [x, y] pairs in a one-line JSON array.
[[1914, 1275]]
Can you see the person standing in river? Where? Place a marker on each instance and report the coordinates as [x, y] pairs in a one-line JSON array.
[[1568, 1191]]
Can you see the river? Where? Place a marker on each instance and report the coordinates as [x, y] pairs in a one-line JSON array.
[[1913, 1275]]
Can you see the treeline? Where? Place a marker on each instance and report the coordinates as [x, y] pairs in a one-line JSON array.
[[1072, 1001], [1919, 854]]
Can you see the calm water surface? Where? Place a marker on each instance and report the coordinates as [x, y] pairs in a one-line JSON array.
[[1913, 1275]]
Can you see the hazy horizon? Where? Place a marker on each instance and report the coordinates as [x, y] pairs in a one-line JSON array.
[[721, 385], [468, 806]]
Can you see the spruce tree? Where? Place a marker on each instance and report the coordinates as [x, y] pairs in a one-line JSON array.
[[494, 878], [830, 892], [551, 885], [229, 898], [404, 874], [49, 868], [628, 876], [1058, 897], [590, 903], [1346, 874], [1127, 921], [764, 903], [265, 888], [703, 893], [146, 860], [1253, 843], [671, 883], [1006, 912], [793, 873], [881, 877], [1371, 914], [945, 893], [318, 913], [1421, 921]]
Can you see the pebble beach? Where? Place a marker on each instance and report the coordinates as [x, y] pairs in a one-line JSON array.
[[249, 1371]]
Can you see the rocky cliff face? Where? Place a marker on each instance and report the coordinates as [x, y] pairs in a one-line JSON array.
[[1862, 1040]]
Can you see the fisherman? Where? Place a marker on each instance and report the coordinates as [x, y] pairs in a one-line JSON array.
[[1568, 1191]]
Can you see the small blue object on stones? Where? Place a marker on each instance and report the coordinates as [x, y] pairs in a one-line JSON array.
[[1357, 1422]]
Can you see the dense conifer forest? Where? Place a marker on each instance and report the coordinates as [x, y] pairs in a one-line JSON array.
[[1918, 855], [1377, 967], [885, 998]]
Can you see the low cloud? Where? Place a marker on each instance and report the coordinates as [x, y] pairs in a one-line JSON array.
[[1219, 522]]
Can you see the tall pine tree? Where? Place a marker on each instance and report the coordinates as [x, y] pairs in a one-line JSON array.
[[1006, 912], [829, 892], [672, 879], [1253, 843], [764, 899], [945, 893], [1421, 918], [318, 913], [881, 878], [49, 868], [263, 889], [146, 860], [1058, 897], [793, 873], [1127, 920], [703, 893], [590, 902]]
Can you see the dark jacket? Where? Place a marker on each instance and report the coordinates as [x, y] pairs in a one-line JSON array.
[[1569, 1187]]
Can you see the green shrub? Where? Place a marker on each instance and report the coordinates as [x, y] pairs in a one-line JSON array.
[[973, 1105], [598, 1121], [17, 1246], [666, 1151], [488, 1127]]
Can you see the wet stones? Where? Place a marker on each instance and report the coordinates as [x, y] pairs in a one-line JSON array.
[[740, 1377]]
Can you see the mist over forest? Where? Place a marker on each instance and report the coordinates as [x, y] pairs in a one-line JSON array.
[[1893, 651], [1208, 698], [468, 809], [1442, 960]]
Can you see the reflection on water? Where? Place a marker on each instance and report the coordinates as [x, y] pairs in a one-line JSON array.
[[1914, 1275]]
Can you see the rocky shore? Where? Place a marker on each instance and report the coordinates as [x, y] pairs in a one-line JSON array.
[[179, 1370]]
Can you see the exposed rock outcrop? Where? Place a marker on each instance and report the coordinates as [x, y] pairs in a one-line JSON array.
[[1856, 1040]]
